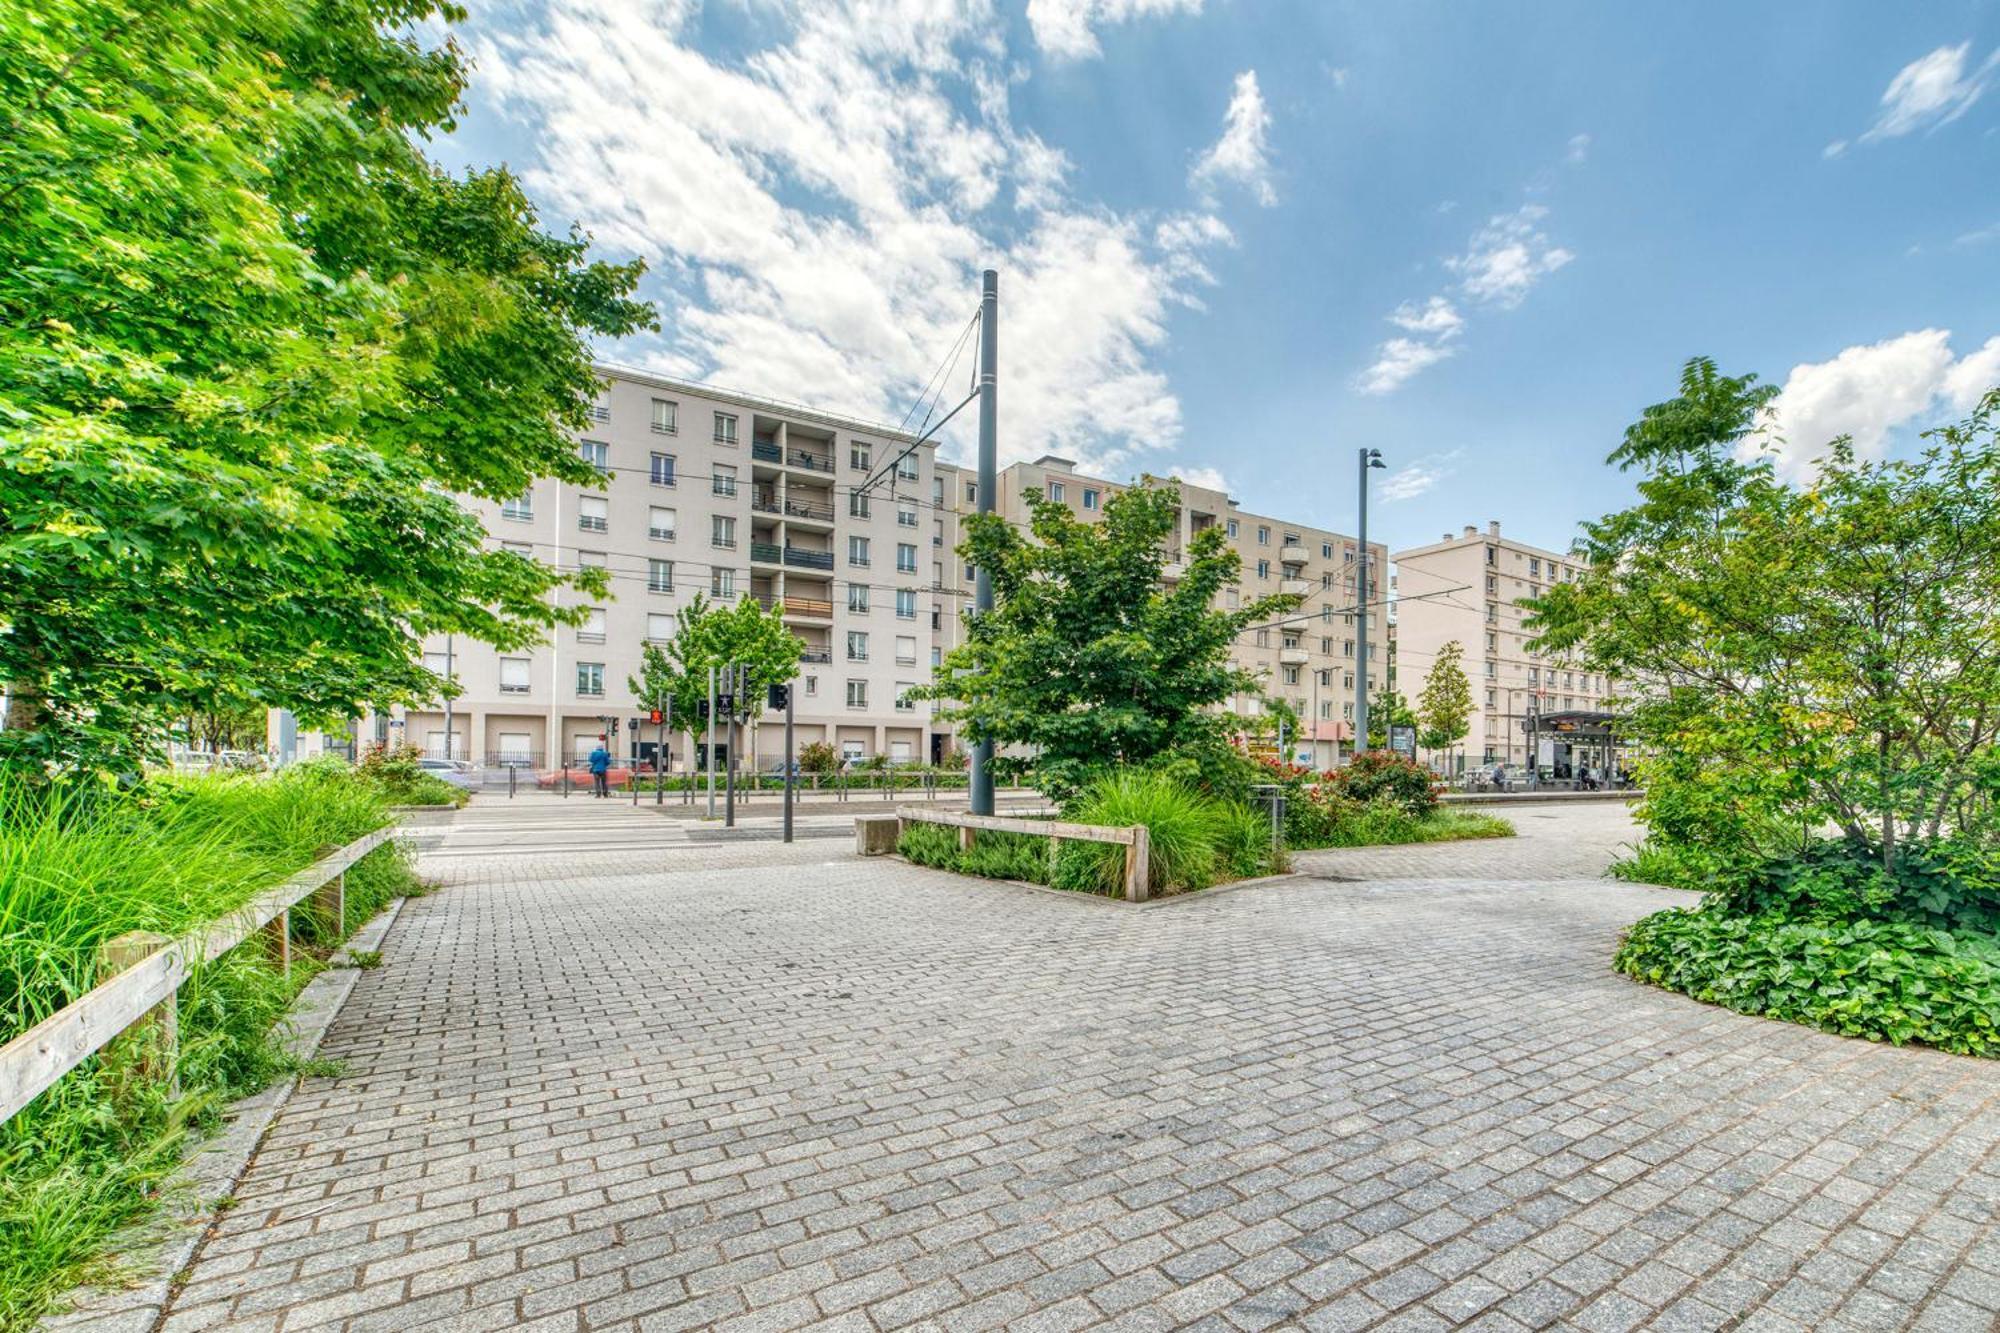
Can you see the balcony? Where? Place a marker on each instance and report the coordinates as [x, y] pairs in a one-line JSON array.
[[808, 509], [1292, 555], [766, 451], [1293, 657], [766, 553], [816, 656], [802, 558], [810, 462], [810, 607], [1295, 587], [766, 502]]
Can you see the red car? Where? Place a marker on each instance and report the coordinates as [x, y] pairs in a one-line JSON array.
[[579, 776]]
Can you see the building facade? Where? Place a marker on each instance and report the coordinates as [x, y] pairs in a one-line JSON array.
[[1469, 588], [852, 530]]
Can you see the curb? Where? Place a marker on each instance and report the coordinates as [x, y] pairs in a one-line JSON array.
[[162, 1246]]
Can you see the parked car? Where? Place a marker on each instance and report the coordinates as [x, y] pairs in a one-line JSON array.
[[458, 772], [579, 776]]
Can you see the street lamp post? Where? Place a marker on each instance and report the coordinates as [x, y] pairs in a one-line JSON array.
[[1369, 458]]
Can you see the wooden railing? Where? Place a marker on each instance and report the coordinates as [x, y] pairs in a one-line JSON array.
[[149, 971], [1134, 839]]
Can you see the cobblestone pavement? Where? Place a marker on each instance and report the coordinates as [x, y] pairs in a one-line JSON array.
[[1553, 841], [751, 1087]]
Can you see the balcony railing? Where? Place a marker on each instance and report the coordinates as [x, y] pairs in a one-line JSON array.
[[811, 462], [804, 559], [768, 552], [765, 504], [766, 451], [817, 656], [808, 509], [808, 606]]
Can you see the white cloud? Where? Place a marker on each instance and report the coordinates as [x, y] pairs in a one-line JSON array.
[[1930, 91], [1398, 360], [1980, 236], [1418, 477], [1834, 149], [1243, 153], [1208, 478], [1507, 257], [1579, 150], [1437, 317], [1868, 391], [1976, 375], [816, 212], [1067, 29]]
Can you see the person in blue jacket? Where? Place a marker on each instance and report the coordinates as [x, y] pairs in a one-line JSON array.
[[600, 768]]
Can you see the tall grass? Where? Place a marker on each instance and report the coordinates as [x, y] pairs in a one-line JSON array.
[[81, 866], [1182, 828]]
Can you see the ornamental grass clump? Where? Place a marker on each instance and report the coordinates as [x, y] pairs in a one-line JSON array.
[[1182, 829]]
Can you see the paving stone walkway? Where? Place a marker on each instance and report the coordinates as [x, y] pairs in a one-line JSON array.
[[750, 1087]]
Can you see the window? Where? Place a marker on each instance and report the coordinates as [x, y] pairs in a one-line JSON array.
[[857, 551], [722, 582], [1534, 566], [1492, 668], [937, 573], [665, 413], [590, 560], [1347, 647], [725, 428], [1326, 646], [1232, 527], [812, 686], [660, 523], [857, 504], [520, 507], [937, 657], [937, 532], [1492, 556], [1326, 581], [659, 627], [1230, 597], [1263, 535], [1089, 498], [1492, 698], [438, 664], [857, 645], [906, 649], [906, 466], [1326, 550], [661, 472], [857, 598], [1492, 642], [722, 531], [1291, 675], [857, 697], [906, 603], [906, 513], [1263, 569], [513, 675], [592, 628], [1492, 613], [937, 491], [1056, 491], [1326, 614], [858, 456], [904, 703], [906, 557], [590, 679], [593, 513], [526, 550], [1263, 638], [600, 411], [723, 480], [596, 453], [659, 576], [972, 492], [1289, 539]]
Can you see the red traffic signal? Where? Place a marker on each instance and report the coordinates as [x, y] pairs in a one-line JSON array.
[[656, 716]]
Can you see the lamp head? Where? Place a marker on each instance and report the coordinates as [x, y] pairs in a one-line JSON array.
[[1374, 457]]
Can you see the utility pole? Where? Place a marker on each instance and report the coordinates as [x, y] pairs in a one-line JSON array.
[[666, 711], [711, 742], [979, 781], [730, 675], [447, 697], [1370, 458]]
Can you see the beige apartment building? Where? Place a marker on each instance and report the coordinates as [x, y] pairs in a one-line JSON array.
[[1306, 658], [714, 492], [1468, 588], [711, 492]]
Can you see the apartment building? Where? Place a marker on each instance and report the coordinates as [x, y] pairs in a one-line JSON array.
[[717, 493], [1469, 588], [1306, 658]]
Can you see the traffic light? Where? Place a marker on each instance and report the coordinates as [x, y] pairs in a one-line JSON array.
[[656, 717], [701, 709], [777, 696]]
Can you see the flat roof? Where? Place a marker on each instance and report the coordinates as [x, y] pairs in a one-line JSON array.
[[756, 402]]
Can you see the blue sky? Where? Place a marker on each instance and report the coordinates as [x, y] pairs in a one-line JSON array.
[[1241, 239]]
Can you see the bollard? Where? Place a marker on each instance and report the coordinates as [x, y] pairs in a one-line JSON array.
[[150, 1048], [513, 775]]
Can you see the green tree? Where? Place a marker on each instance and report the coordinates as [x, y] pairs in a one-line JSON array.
[[712, 634], [251, 343], [1794, 656], [1387, 708], [1087, 656], [1444, 706]]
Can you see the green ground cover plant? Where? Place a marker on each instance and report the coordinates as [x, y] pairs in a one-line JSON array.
[[394, 771], [82, 864]]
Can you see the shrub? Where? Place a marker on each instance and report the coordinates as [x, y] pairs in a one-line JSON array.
[[1180, 824], [1243, 841], [1893, 981], [930, 845], [1001, 855], [1378, 774], [394, 772], [818, 757]]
